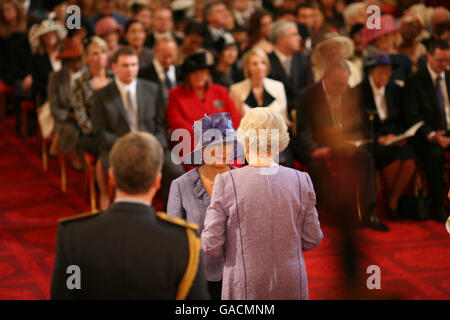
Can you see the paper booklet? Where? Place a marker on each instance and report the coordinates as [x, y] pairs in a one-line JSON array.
[[360, 143], [405, 135]]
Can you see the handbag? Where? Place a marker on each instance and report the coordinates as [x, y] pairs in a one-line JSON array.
[[46, 120]]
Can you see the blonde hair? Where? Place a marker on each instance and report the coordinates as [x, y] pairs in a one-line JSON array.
[[97, 41], [264, 129], [254, 52]]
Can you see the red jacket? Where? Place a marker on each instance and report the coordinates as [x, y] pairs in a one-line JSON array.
[[185, 107]]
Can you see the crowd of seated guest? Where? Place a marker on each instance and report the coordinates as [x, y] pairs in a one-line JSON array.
[[315, 62]]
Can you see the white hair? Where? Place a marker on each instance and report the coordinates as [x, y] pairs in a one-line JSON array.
[[263, 129], [352, 10]]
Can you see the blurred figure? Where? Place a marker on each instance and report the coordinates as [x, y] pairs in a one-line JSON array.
[[214, 17], [135, 37], [226, 71], [287, 63], [190, 194], [162, 25], [143, 13], [245, 212], [136, 162], [334, 47], [355, 13], [106, 8], [359, 47], [241, 36], [109, 30], [242, 10], [411, 27], [332, 15], [305, 18], [328, 118], [60, 89], [259, 26], [229, 22], [440, 15], [383, 99], [163, 70], [193, 40], [427, 99]]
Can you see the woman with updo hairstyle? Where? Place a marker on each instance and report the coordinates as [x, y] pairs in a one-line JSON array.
[[262, 217]]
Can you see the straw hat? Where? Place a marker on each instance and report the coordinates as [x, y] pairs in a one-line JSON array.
[[46, 26], [346, 46]]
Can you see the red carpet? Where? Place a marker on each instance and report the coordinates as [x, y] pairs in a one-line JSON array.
[[414, 257]]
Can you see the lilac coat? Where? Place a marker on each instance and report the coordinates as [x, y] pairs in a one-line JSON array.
[[261, 219]]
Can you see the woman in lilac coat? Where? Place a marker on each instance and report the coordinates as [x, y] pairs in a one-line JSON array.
[[262, 217]]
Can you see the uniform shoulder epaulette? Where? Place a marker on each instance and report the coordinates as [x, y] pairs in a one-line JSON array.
[[177, 221], [79, 216]]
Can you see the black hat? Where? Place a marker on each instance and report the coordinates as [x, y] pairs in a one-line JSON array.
[[197, 61]]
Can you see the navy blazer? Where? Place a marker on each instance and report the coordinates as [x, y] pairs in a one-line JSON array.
[[394, 123]]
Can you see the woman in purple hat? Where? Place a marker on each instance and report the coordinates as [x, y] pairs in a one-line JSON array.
[[262, 217], [190, 194]]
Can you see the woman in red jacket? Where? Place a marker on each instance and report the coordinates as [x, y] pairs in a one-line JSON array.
[[198, 96]]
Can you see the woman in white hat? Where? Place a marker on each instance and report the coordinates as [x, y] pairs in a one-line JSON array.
[[334, 47]]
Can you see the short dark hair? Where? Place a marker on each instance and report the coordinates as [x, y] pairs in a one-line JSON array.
[[356, 29], [130, 23], [123, 51], [303, 5], [437, 44], [208, 8], [441, 28], [136, 159]]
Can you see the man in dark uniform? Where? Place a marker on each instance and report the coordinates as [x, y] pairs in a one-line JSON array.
[[128, 251]]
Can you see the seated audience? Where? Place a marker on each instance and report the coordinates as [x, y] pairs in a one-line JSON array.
[[226, 70], [109, 30], [382, 99], [411, 27], [193, 41], [427, 99], [116, 249], [130, 104], [135, 37], [94, 77], [327, 120], [287, 63], [60, 90], [246, 212], [259, 26], [106, 8], [214, 22], [141, 12], [162, 24]]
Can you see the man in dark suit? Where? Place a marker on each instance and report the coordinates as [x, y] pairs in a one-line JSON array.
[[287, 63], [162, 24], [131, 104], [163, 70], [214, 23], [427, 95], [128, 251], [327, 120]]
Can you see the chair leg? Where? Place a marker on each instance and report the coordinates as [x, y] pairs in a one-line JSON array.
[[44, 154], [62, 165], [90, 175]]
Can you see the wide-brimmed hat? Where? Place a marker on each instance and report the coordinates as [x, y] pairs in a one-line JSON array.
[[377, 60], [346, 45], [72, 48], [387, 25], [197, 61], [39, 29], [106, 25], [212, 130], [223, 42]]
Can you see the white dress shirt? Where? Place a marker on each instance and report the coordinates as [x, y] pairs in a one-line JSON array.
[[216, 33], [380, 100], [123, 89], [434, 75]]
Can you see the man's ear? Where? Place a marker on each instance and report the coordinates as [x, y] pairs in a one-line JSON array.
[[113, 67], [111, 176], [157, 184]]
